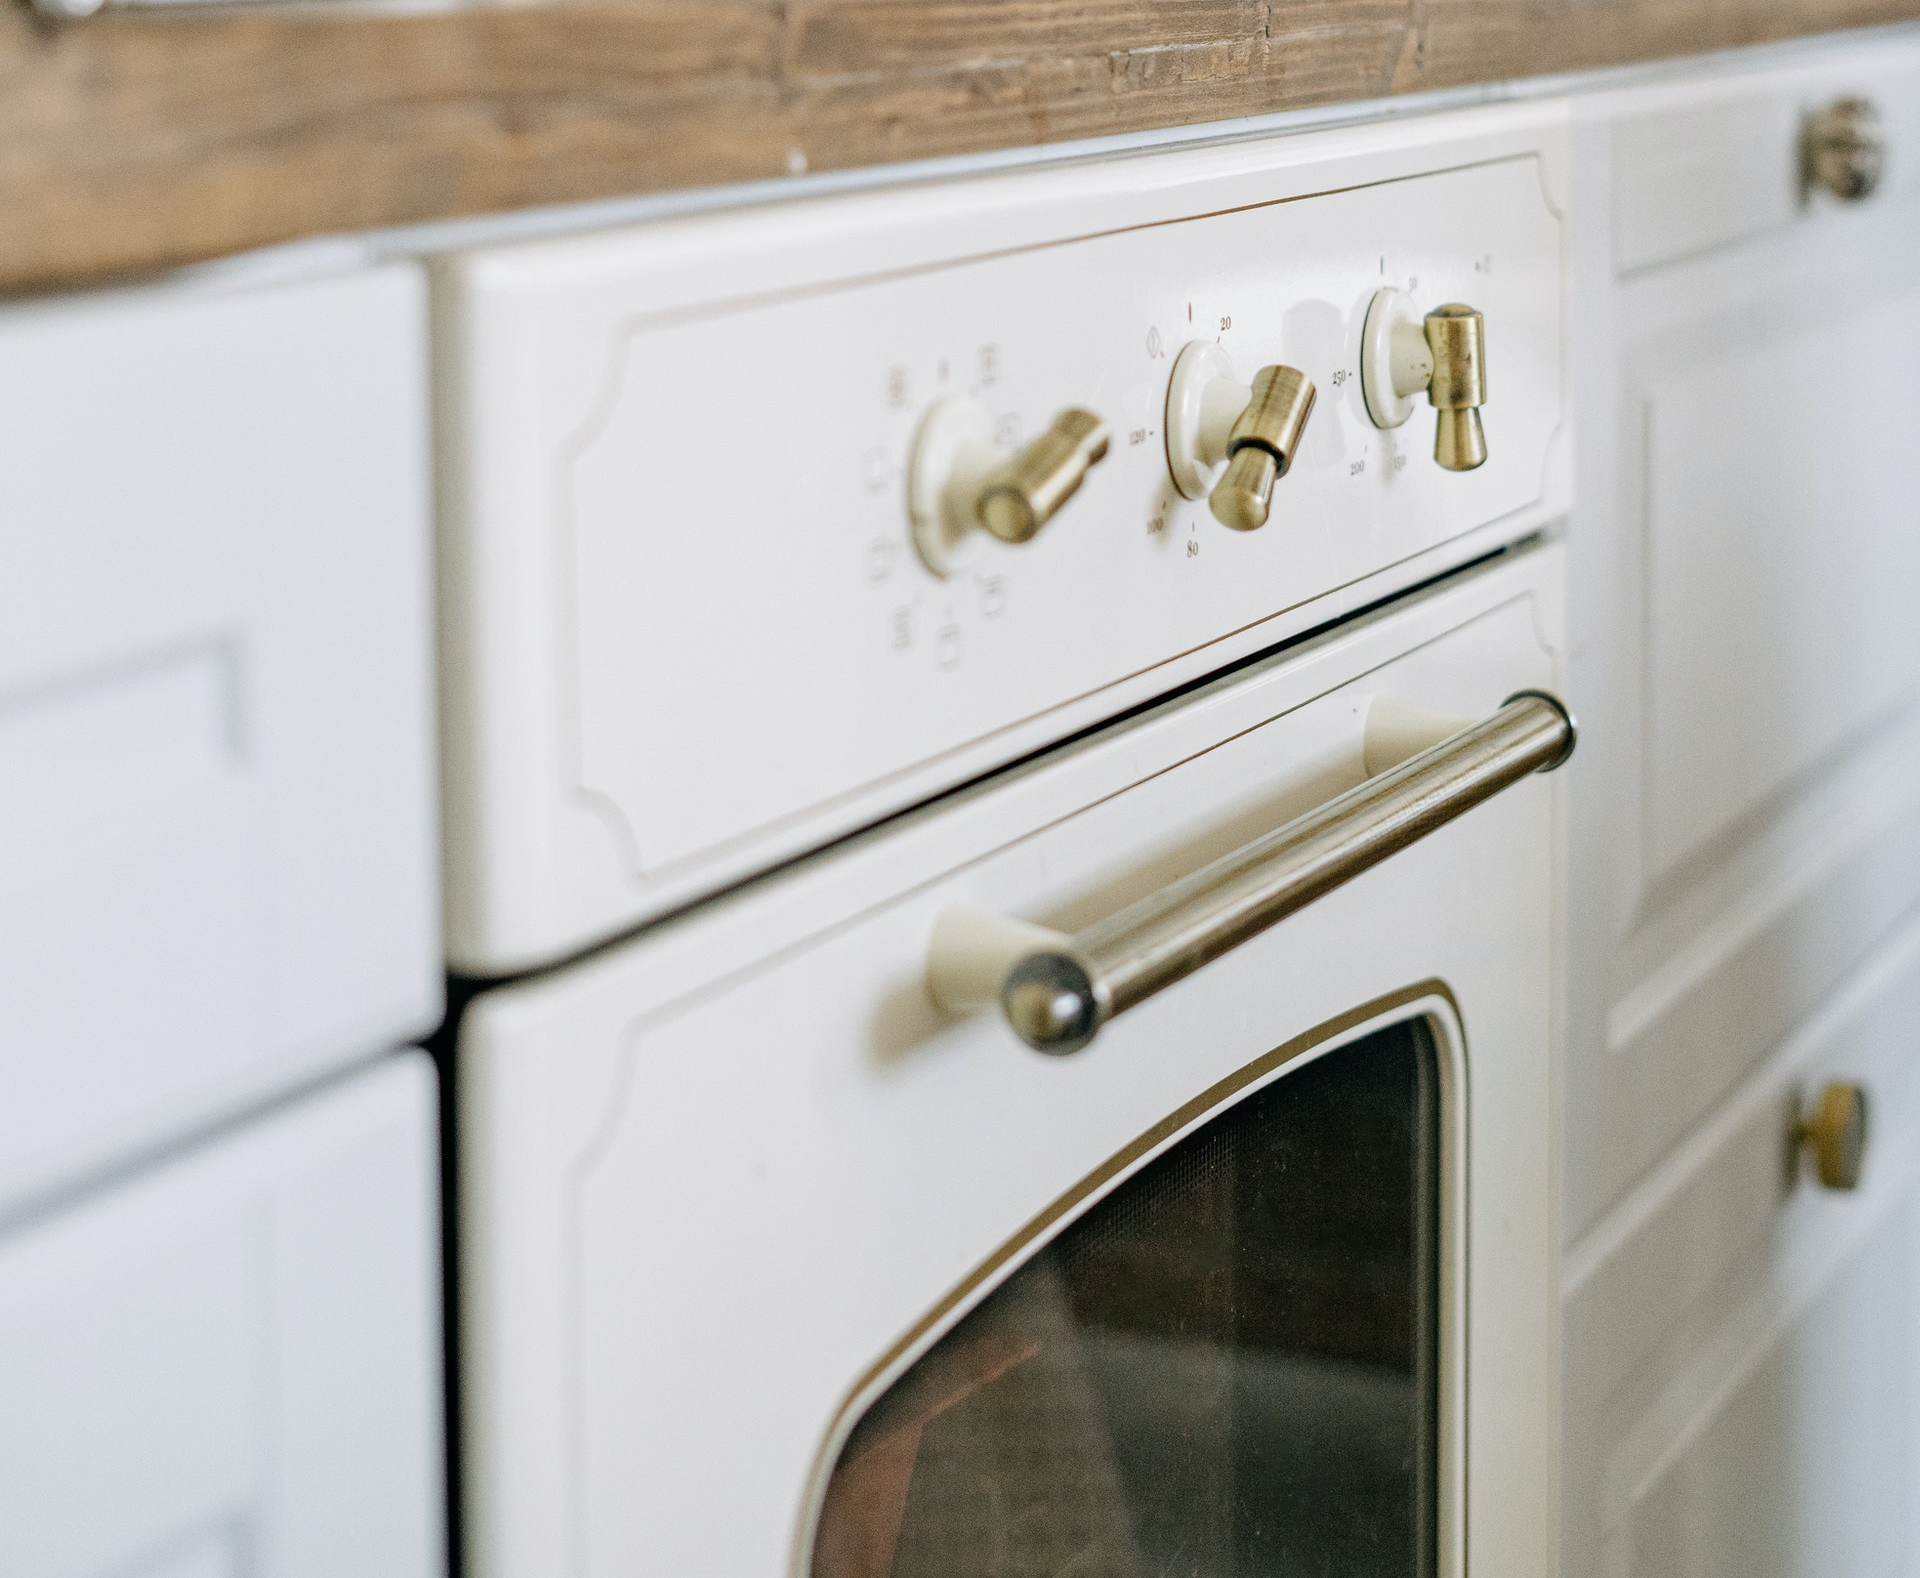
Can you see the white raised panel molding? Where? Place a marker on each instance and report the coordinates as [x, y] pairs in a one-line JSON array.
[[1783, 552]]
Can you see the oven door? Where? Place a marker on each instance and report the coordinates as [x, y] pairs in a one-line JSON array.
[[772, 1266]]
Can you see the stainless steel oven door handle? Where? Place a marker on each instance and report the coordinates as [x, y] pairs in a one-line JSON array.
[[1058, 990]]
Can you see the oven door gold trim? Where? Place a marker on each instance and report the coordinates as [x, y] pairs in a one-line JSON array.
[[981, 1280]]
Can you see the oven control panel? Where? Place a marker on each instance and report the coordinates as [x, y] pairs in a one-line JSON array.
[[762, 525]]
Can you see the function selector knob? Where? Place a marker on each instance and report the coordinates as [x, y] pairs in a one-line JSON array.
[[1443, 353], [1252, 430], [960, 481]]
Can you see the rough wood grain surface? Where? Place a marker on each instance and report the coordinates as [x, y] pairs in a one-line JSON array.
[[139, 139]]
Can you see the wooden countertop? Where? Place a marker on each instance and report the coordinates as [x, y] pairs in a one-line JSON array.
[[133, 140]]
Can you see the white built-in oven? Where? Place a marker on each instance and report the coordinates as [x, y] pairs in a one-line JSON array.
[[777, 1266], [1001, 818]]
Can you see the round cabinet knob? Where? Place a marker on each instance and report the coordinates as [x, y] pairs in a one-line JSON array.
[[959, 481], [1833, 1131], [1254, 430], [1444, 353], [1843, 149]]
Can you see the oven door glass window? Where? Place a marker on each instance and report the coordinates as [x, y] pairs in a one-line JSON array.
[[1228, 1368]]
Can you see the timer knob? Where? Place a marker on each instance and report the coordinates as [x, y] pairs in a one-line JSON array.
[[960, 481]]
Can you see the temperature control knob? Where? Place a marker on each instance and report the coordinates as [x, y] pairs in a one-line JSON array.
[[1445, 354], [960, 481], [1254, 429]]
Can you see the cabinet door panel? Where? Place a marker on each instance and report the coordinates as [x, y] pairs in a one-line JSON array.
[[1783, 561], [216, 710]]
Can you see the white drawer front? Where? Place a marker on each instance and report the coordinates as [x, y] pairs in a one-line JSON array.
[[1739, 1342], [229, 1367], [1714, 163], [1809, 1466]]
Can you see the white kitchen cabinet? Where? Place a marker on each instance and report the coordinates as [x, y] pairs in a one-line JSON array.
[[217, 818], [1747, 559], [228, 1366], [1745, 864]]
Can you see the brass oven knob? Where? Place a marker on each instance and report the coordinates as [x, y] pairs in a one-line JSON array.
[[1261, 446], [1444, 353], [1027, 491], [1833, 1131], [1843, 149], [1457, 337], [960, 481], [1253, 430]]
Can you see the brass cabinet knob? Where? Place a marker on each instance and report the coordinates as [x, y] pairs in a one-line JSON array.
[[1444, 353], [1261, 446], [1843, 149], [1254, 430], [960, 481], [1833, 1131]]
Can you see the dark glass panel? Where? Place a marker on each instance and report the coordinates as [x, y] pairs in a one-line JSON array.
[[1226, 1369]]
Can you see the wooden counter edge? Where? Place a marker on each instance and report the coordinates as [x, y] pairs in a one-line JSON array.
[[136, 140]]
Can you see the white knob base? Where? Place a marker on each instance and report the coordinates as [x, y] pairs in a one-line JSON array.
[[1396, 362], [1204, 400], [952, 453]]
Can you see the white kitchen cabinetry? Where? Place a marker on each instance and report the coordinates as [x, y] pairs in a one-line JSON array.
[[228, 1365], [1746, 830], [216, 718]]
